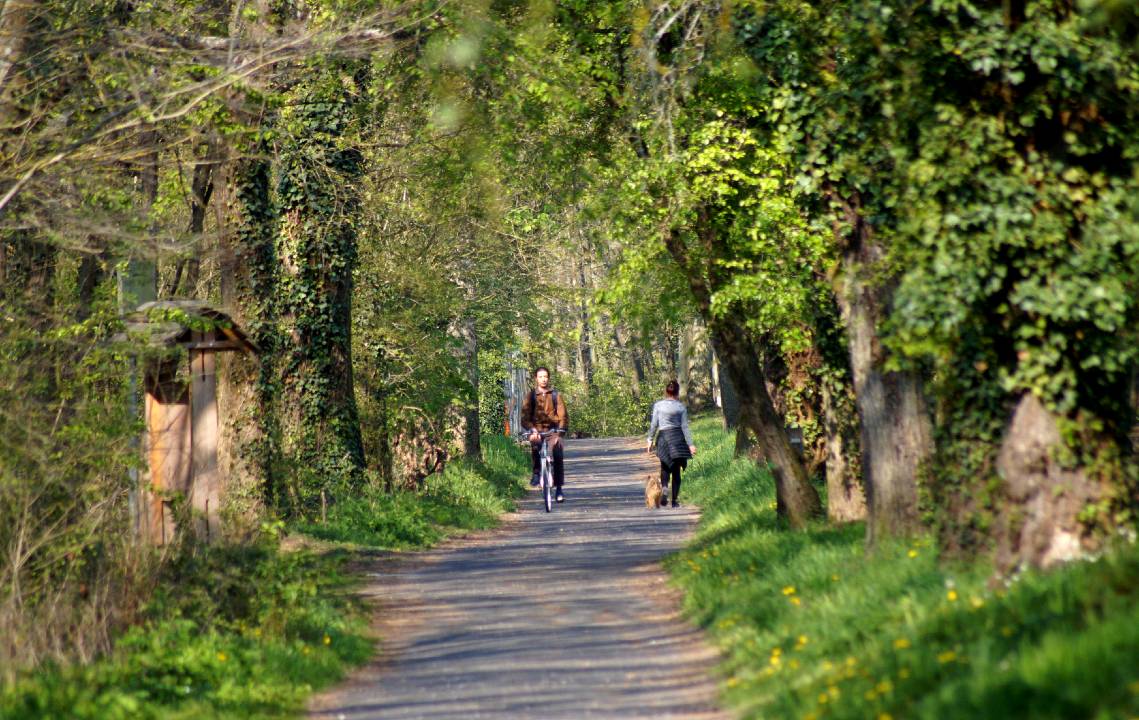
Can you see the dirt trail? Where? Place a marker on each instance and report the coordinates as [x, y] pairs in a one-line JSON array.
[[560, 615]]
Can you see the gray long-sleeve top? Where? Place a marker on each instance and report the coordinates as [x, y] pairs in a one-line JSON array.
[[669, 413]]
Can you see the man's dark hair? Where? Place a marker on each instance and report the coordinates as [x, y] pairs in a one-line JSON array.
[[540, 368]]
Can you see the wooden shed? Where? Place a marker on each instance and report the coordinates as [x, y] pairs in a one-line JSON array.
[[180, 340]]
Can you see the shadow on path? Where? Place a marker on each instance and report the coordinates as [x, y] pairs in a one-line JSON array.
[[566, 615]]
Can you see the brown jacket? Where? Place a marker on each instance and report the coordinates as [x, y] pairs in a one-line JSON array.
[[545, 415]]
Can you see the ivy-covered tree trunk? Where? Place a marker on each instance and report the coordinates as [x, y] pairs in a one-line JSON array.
[[1046, 498], [248, 444], [846, 500], [319, 203], [896, 431]]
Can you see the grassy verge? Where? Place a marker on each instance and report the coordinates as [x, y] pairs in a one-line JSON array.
[[466, 496], [251, 632], [810, 626]]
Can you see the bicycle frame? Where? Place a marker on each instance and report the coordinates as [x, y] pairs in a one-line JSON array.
[[547, 477], [547, 470]]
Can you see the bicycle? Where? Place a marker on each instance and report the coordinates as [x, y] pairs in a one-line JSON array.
[[546, 476]]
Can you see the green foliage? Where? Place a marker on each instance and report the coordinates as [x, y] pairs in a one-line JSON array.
[[319, 202], [609, 409], [810, 626], [243, 632], [465, 496]]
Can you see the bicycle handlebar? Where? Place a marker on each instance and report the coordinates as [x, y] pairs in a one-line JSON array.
[[546, 433]]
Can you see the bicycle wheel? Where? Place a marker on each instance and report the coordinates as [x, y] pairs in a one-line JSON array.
[[547, 487]]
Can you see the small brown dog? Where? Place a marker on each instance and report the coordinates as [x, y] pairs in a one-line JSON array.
[[654, 493]]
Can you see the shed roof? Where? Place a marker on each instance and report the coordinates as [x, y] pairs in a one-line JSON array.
[[172, 323]]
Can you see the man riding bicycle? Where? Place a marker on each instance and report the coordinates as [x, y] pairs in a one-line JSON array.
[[543, 410]]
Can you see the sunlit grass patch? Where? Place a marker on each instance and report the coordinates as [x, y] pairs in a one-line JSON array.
[[466, 496], [810, 625], [232, 633]]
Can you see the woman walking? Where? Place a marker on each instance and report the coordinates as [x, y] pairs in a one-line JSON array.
[[674, 443]]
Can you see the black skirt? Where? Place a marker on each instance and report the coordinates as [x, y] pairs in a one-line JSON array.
[[672, 447]]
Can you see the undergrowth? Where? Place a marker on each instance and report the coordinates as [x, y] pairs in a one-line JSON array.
[[465, 496], [812, 626], [251, 632]]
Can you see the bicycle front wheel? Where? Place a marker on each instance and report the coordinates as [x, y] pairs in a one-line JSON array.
[[548, 490]]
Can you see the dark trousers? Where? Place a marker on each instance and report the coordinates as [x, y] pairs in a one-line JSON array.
[[671, 472], [555, 451]]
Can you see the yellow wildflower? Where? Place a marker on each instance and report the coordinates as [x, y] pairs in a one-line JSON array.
[[789, 590], [913, 553], [885, 716], [305, 650], [901, 643], [946, 657], [794, 664], [733, 681], [977, 602], [952, 595], [327, 640], [222, 657], [801, 641], [795, 601], [884, 687], [834, 578], [823, 698]]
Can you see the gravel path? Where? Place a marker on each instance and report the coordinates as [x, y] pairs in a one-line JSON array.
[[559, 615]]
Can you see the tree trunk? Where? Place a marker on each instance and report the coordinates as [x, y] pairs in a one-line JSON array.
[[469, 430], [248, 454], [1048, 498], [896, 432], [317, 251], [201, 188], [15, 19], [846, 500], [685, 351], [585, 345], [796, 498], [729, 399]]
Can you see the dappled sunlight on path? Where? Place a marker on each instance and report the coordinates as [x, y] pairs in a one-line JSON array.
[[560, 615]]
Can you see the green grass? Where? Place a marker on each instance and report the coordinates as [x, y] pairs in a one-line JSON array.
[[810, 625], [465, 496], [251, 632], [230, 633]]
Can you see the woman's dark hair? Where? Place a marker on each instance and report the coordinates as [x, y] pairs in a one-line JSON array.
[[672, 389]]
